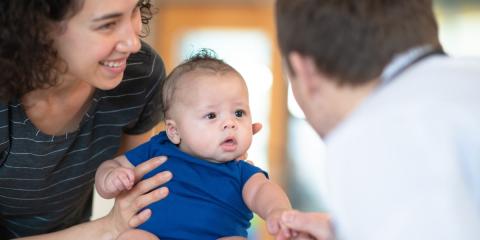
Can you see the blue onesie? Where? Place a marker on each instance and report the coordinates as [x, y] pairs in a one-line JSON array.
[[205, 199]]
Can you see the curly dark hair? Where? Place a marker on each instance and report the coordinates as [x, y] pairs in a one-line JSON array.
[[28, 59]]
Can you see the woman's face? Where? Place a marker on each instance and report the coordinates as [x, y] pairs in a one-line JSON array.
[[96, 42]]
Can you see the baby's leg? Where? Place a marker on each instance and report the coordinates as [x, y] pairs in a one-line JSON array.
[[232, 238], [134, 234]]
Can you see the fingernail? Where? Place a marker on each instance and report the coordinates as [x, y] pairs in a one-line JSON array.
[[167, 175], [160, 160], [164, 191]]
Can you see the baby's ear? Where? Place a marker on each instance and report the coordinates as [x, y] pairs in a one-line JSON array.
[[172, 133]]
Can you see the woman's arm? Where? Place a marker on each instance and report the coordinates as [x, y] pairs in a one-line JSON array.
[[101, 229], [137, 234], [125, 213]]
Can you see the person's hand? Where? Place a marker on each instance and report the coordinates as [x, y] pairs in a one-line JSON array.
[[137, 234], [256, 127], [308, 225], [128, 210], [118, 180], [276, 228]]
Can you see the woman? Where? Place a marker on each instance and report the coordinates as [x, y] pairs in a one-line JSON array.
[[76, 83]]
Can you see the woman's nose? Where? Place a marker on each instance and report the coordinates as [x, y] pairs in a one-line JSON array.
[[130, 44], [130, 38]]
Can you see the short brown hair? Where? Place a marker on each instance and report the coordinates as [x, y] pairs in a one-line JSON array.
[[352, 41]]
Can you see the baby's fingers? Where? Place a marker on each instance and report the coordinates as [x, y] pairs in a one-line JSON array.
[[127, 180]]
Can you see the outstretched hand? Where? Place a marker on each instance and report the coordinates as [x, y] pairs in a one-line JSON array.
[[276, 228], [308, 225], [128, 210]]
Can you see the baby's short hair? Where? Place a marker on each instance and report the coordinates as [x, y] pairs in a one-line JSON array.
[[204, 59]]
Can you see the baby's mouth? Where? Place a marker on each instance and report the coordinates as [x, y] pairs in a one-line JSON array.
[[229, 145], [229, 141]]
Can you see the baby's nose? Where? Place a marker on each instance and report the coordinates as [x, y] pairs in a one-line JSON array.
[[229, 124]]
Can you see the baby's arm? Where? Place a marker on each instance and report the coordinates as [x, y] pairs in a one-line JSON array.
[[114, 176], [266, 199]]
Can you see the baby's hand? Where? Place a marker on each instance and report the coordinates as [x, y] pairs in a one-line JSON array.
[[118, 180], [276, 228]]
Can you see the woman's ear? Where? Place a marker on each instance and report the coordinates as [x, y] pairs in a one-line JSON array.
[[172, 133]]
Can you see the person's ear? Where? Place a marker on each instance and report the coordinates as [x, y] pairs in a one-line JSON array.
[[172, 132], [305, 70]]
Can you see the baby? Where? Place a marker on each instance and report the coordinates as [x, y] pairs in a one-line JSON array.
[[208, 128]]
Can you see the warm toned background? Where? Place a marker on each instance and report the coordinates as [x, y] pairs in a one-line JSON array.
[[287, 147]]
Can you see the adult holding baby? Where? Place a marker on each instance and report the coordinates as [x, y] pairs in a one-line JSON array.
[[77, 84]]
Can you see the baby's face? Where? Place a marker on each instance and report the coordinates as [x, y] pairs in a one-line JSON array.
[[212, 115]]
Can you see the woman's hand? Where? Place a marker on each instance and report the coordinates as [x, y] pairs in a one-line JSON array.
[[137, 234], [128, 210]]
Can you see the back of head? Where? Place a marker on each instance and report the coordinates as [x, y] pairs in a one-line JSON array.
[[352, 41], [205, 60]]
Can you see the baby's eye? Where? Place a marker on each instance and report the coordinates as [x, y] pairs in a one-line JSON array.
[[239, 113], [211, 116]]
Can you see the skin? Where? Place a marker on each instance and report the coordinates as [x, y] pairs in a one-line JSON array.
[[103, 32], [128, 211], [217, 105], [97, 41], [210, 119], [220, 114], [325, 105], [94, 45], [137, 234], [324, 102]]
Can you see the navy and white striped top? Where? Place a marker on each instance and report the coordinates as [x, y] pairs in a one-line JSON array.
[[46, 181]]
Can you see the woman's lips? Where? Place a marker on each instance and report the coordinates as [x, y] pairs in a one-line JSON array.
[[114, 66]]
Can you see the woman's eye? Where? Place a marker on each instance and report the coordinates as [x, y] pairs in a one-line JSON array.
[[239, 113], [107, 26], [211, 116]]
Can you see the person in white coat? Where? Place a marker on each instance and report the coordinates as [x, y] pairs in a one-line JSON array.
[[400, 118]]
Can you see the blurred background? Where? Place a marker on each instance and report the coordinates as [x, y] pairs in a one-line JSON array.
[[242, 32]]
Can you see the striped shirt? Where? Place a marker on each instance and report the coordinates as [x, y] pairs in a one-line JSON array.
[[46, 181]]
